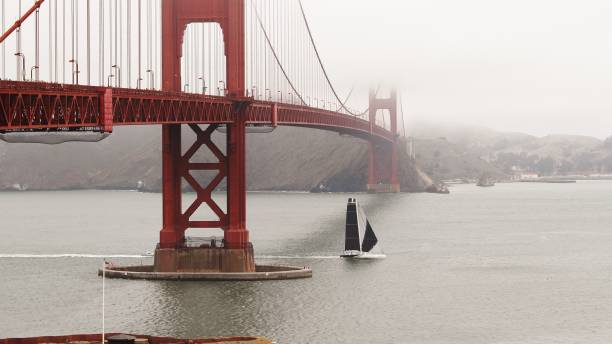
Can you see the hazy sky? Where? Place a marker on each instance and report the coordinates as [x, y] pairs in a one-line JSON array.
[[537, 66]]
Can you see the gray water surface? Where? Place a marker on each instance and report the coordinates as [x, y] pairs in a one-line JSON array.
[[516, 263]]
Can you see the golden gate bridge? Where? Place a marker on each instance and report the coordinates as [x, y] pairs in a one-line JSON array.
[[91, 65]]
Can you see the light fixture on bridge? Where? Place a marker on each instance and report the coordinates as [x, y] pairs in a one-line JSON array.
[[118, 73], [75, 71], [32, 72], [203, 84], [152, 79], [23, 63]]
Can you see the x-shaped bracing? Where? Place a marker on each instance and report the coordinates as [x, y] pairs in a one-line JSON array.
[[204, 193]]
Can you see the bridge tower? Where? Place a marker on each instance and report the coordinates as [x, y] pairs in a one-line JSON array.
[[237, 253], [382, 163]]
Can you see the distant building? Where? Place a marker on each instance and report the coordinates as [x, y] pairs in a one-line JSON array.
[[526, 175]]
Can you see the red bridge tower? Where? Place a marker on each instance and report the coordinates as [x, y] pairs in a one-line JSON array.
[[237, 253], [382, 166]]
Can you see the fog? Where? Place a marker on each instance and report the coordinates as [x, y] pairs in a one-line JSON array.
[[535, 66]]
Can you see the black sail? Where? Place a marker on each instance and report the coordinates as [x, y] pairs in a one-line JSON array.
[[369, 239], [351, 240]]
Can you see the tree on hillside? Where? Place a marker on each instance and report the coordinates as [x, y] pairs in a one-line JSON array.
[[546, 166]]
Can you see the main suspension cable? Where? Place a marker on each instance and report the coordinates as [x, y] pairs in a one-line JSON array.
[[342, 105]]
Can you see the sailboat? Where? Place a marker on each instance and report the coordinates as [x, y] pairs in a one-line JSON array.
[[356, 223]]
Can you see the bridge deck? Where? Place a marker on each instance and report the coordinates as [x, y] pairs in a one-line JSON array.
[[29, 106]]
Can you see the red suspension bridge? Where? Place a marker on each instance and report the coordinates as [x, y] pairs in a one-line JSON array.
[[90, 65]]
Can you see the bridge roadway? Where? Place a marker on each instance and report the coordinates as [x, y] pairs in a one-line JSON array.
[[36, 106]]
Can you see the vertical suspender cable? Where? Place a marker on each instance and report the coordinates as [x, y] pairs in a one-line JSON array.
[[72, 41], [101, 48], [258, 54], [56, 52], [18, 54], [189, 55], [210, 77], [139, 43], [275, 39], [76, 30], [50, 42], [198, 60], [266, 86], [88, 9], [185, 58], [154, 39], [121, 55], [253, 45], [116, 39], [185, 79], [192, 60], [63, 63], [111, 43], [3, 47], [275, 18], [215, 59], [287, 44], [37, 51], [151, 86], [203, 52], [156, 10], [129, 43]]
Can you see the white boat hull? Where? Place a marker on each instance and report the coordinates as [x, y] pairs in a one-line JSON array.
[[363, 255], [367, 255]]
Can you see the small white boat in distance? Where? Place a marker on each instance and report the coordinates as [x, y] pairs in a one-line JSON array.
[[357, 222]]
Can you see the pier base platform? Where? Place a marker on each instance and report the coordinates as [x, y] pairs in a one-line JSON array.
[[261, 273], [138, 339], [204, 259]]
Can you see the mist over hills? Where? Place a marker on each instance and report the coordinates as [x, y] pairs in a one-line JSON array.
[[297, 159], [292, 159], [456, 151]]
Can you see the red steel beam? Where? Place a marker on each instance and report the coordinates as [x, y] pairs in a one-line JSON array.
[[29, 106]]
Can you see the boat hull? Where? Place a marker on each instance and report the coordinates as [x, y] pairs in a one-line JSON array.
[[364, 255]]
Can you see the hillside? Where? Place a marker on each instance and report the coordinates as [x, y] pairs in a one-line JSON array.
[[286, 159], [448, 152]]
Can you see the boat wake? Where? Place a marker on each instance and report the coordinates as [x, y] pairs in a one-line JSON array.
[[297, 257], [72, 255], [100, 256]]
